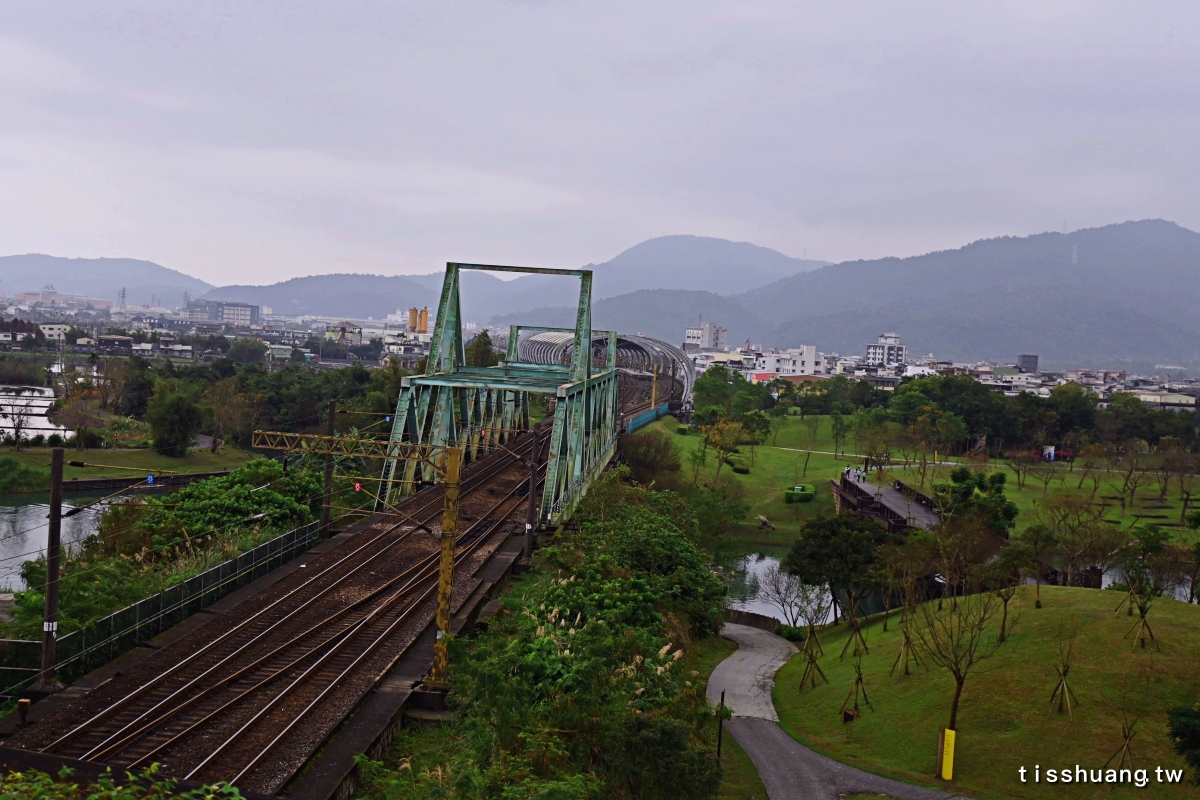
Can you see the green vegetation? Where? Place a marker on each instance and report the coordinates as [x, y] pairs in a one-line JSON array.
[[18, 477], [1005, 720], [36, 785], [147, 460], [147, 544], [588, 682]]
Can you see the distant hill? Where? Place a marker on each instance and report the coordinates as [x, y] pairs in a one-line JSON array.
[[659, 313], [332, 295], [1117, 292], [693, 263], [99, 277], [1100, 296]]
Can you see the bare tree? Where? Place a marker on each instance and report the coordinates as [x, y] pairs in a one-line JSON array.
[[1046, 472], [1185, 479], [1132, 470], [1021, 464], [956, 639], [1078, 524], [783, 591], [19, 410], [81, 416]]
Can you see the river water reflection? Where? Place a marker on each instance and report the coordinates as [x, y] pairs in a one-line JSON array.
[[24, 525]]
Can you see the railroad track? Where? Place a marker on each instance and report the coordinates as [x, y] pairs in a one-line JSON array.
[[248, 701]]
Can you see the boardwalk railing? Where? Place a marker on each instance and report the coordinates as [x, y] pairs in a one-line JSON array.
[[94, 645], [916, 496], [850, 496]]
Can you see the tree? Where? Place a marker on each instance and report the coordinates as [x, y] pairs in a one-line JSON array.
[[1022, 464], [956, 639], [977, 494], [480, 353], [174, 418], [1045, 471], [1083, 536], [756, 425], [1002, 576], [779, 418], [783, 591], [723, 437], [839, 429], [1041, 544], [1183, 723], [649, 452], [80, 415], [247, 351], [839, 552], [231, 410], [1132, 470], [19, 411]]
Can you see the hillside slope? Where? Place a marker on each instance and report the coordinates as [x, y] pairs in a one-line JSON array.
[[99, 277], [1106, 295]]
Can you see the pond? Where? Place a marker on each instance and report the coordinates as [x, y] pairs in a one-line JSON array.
[[745, 570], [26, 407], [24, 525]]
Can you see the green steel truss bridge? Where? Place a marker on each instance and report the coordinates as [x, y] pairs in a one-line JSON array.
[[483, 408]]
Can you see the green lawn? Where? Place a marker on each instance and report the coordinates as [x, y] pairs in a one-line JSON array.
[[780, 463], [195, 461], [1005, 720], [774, 470]]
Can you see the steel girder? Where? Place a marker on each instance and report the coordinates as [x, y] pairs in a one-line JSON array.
[[483, 408]]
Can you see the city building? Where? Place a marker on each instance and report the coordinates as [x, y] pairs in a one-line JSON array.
[[802, 360], [1028, 364], [54, 332], [238, 315], [887, 352], [49, 296], [705, 336]]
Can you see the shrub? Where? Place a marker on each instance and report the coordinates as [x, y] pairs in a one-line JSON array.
[[799, 494], [649, 452], [17, 477]]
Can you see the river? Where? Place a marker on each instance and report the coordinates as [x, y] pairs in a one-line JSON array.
[[24, 525]]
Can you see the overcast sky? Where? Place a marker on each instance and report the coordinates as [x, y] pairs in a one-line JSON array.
[[250, 142]]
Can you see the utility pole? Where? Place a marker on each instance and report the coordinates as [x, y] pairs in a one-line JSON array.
[[47, 680], [328, 499], [439, 672], [654, 388], [531, 514]]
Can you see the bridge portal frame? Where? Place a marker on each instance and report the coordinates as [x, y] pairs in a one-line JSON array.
[[483, 408]]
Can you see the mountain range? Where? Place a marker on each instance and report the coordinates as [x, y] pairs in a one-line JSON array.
[[144, 282], [699, 263], [1095, 296]]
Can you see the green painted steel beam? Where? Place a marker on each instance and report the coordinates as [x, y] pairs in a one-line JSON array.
[[481, 408]]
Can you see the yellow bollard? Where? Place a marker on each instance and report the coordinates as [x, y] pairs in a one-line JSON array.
[[945, 761]]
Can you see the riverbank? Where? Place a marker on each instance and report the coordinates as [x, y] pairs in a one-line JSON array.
[[118, 463]]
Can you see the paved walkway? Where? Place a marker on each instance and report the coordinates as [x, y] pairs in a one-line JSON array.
[[788, 769]]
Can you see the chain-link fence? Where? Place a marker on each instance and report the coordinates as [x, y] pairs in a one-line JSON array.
[[94, 645]]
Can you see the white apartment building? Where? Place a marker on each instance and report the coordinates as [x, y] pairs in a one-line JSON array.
[[803, 360], [887, 352], [705, 336], [54, 332]]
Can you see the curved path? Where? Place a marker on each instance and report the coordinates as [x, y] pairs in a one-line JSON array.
[[788, 769]]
